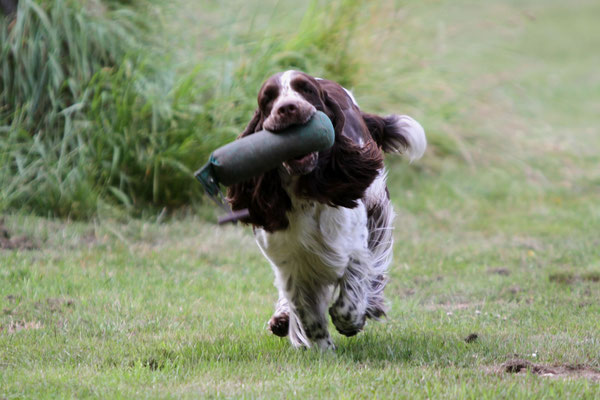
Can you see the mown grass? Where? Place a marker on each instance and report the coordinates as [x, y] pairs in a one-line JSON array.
[[180, 310], [497, 234]]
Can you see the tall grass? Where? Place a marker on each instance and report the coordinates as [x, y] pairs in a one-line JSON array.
[[51, 57], [94, 114], [51, 52]]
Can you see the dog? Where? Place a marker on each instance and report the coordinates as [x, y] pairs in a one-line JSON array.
[[324, 220]]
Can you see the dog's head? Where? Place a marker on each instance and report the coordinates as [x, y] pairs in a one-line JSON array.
[[289, 98], [292, 98], [337, 176]]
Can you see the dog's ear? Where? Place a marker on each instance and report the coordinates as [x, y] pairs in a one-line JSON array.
[[254, 125], [345, 170], [333, 110], [344, 173]]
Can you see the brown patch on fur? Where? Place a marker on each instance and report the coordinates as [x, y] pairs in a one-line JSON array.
[[343, 174], [266, 201]]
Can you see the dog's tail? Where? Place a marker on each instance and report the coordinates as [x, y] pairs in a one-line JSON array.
[[397, 134]]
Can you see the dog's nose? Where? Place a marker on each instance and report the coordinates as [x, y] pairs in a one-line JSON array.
[[287, 109]]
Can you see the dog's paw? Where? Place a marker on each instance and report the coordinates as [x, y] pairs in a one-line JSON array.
[[280, 324], [325, 344], [347, 321]]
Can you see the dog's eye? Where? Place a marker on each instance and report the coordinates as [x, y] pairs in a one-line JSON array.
[[268, 95], [270, 92], [308, 89], [265, 100]]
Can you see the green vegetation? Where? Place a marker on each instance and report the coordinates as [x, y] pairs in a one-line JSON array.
[[100, 112], [55, 57], [496, 234]]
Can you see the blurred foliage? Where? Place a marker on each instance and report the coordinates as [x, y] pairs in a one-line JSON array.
[[94, 113]]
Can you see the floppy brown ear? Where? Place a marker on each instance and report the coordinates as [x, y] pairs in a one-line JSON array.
[[254, 125], [263, 195], [344, 173], [345, 170], [335, 113]]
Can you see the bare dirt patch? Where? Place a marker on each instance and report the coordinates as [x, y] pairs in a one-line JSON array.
[[569, 278], [520, 366], [50, 305], [499, 271], [9, 242], [55, 304], [471, 338], [593, 276], [17, 326]]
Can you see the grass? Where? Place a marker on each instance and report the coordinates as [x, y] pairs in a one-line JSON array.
[[497, 235], [57, 148]]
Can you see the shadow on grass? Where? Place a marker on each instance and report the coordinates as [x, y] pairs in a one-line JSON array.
[[415, 348]]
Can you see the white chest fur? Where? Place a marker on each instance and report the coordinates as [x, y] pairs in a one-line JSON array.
[[319, 241]]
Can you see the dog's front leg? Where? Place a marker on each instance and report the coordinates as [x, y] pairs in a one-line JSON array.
[[349, 311], [280, 321], [308, 316]]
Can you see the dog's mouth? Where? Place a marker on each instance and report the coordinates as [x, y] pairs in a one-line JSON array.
[[279, 121], [302, 165]]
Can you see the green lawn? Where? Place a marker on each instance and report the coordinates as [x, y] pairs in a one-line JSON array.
[[497, 234]]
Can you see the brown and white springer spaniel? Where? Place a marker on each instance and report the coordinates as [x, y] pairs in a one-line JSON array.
[[324, 220]]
